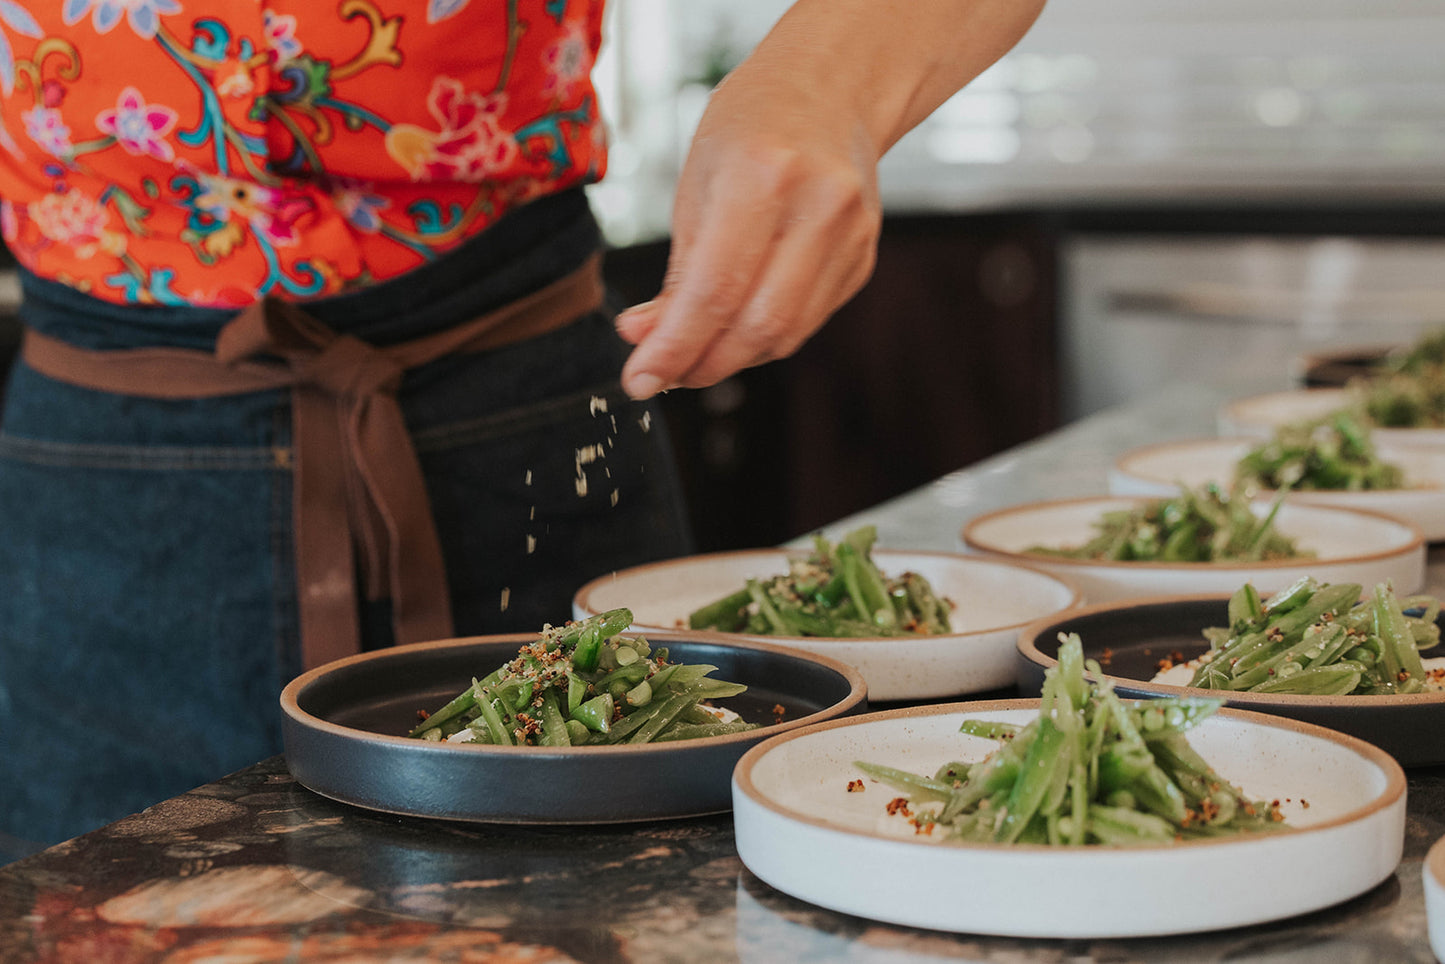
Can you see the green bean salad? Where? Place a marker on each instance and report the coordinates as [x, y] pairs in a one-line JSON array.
[[1205, 524], [584, 684], [1090, 769], [835, 590], [1336, 453], [1414, 400], [1319, 639]]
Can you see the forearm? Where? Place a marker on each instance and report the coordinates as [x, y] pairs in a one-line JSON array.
[[887, 64]]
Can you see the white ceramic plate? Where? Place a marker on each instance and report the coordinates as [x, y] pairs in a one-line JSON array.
[[1349, 546], [1159, 470], [1258, 416], [993, 600], [801, 831], [1435, 897]]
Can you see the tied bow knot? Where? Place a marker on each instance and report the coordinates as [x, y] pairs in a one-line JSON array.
[[360, 500], [359, 497], [349, 368]]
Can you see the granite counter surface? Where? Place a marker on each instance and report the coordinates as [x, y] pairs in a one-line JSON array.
[[255, 868]]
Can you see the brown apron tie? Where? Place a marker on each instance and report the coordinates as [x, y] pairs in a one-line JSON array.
[[359, 496]]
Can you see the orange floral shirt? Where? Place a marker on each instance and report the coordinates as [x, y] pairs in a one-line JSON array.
[[214, 152]]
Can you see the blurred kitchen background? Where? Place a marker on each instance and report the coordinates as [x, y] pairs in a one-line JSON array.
[[1142, 192]]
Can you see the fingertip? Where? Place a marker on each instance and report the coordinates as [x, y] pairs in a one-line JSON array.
[[642, 385], [635, 323]]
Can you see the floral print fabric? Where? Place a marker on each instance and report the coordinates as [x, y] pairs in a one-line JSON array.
[[215, 152]]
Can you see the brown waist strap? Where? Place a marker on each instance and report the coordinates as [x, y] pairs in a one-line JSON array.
[[359, 496]]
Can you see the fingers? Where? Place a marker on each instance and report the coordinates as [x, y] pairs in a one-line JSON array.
[[637, 322], [752, 289], [809, 276], [709, 280]]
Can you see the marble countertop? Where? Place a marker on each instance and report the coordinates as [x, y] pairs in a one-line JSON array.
[[256, 868]]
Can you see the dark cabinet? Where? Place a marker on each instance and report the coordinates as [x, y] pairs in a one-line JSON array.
[[945, 357]]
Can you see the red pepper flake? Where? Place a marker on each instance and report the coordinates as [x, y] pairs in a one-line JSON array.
[[529, 727], [1106, 656], [855, 786], [779, 711], [1304, 803], [899, 805], [924, 827]]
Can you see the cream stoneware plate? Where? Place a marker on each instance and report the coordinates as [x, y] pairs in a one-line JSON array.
[[1258, 416], [1348, 546], [992, 601], [1435, 897], [1160, 470], [799, 829]]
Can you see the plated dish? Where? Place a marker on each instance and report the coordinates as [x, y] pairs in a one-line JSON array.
[[991, 600], [1434, 873], [1130, 638], [1347, 546], [1258, 416], [1156, 470], [345, 725], [801, 831]]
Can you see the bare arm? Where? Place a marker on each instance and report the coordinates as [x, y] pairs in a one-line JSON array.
[[776, 219]]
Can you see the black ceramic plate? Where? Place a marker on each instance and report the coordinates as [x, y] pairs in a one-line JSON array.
[[344, 726], [1334, 369], [1130, 638]]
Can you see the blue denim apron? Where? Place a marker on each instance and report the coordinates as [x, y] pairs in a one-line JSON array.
[[147, 586]]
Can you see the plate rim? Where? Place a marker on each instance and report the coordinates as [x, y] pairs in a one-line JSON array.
[[1435, 863], [1028, 649], [857, 694], [1416, 542], [1076, 594], [1390, 795], [1260, 398]]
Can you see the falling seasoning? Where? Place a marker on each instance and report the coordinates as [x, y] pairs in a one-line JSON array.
[[586, 456]]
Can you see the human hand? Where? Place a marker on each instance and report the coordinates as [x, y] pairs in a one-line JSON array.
[[775, 226]]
